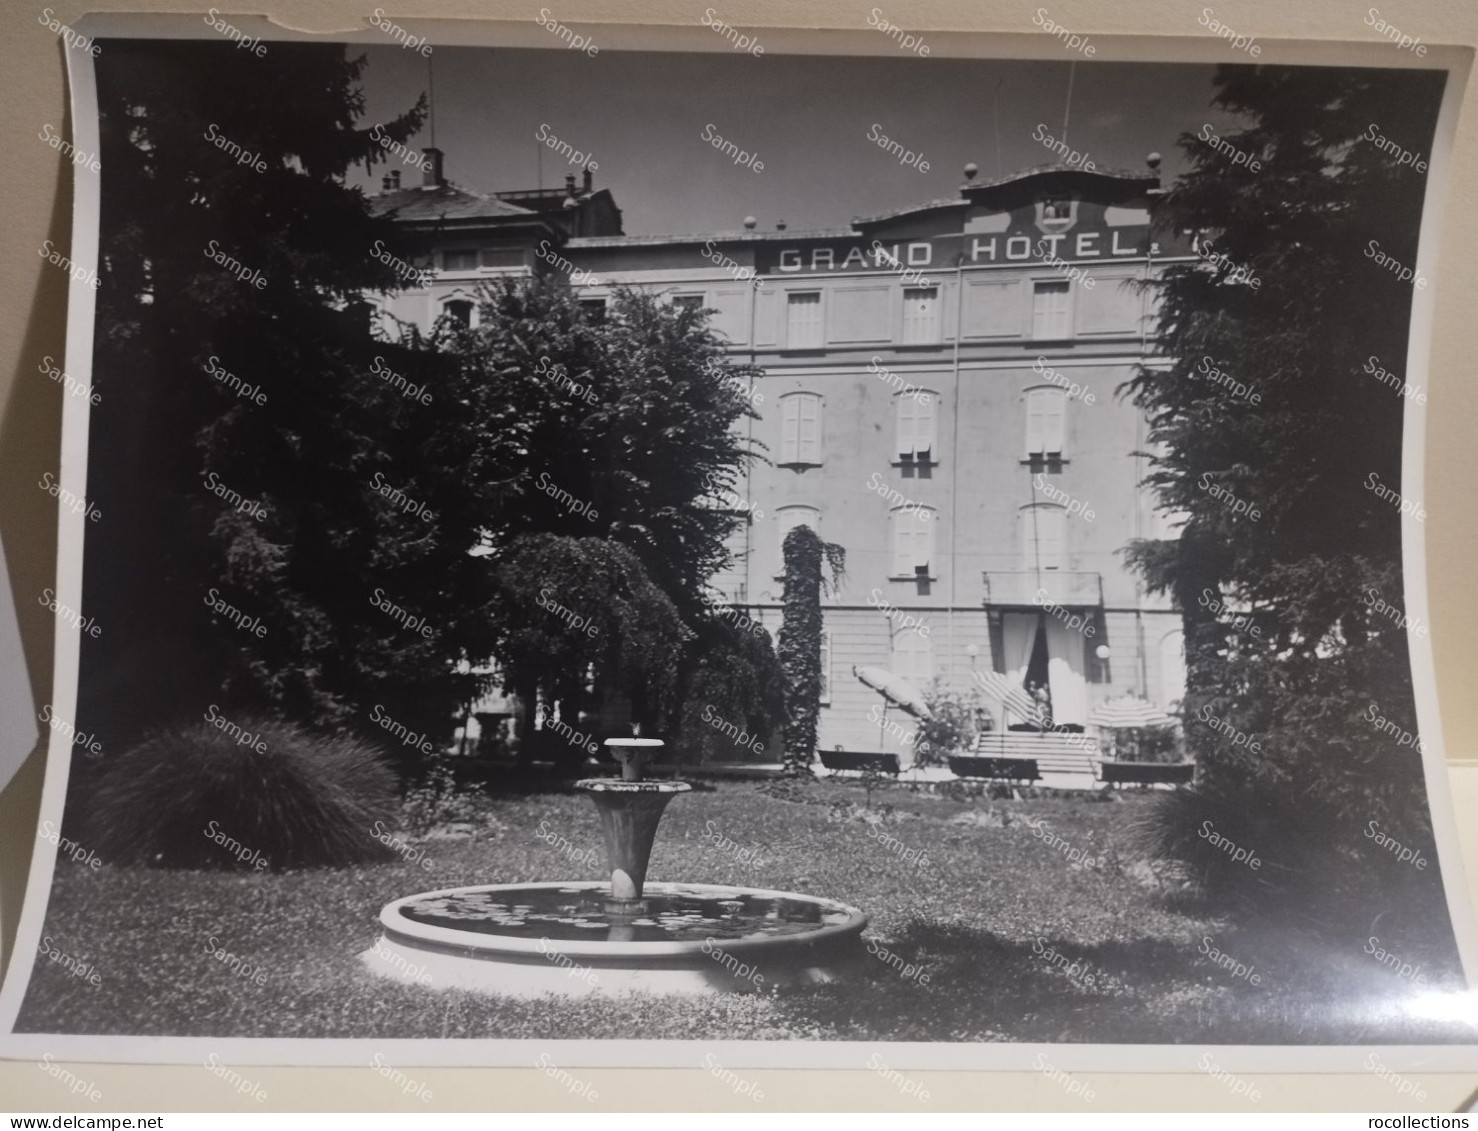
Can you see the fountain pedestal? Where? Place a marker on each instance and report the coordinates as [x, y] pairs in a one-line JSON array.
[[630, 810]]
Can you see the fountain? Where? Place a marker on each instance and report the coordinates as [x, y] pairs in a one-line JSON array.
[[595, 937]]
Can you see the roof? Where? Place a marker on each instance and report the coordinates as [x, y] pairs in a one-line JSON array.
[[445, 202], [712, 237]]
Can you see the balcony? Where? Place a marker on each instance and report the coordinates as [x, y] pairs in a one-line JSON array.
[[1061, 587]]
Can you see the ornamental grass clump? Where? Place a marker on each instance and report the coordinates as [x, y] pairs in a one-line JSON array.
[[260, 796]]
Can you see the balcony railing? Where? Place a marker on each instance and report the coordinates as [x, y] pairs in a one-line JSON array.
[[1037, 587]]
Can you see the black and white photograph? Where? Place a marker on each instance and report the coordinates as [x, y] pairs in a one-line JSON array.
[[701, 555]]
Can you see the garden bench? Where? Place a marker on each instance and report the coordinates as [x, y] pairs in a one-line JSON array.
[[1146, 773], [861, 760], [994, 769]]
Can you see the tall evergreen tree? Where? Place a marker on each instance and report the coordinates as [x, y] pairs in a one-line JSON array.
[[1267, 398]]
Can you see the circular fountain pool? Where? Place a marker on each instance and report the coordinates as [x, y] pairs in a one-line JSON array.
[[525, 940]]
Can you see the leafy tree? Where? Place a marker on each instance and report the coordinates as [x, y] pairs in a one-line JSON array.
[[1282, 638], [811, 565], [732, 674], [244, 452]]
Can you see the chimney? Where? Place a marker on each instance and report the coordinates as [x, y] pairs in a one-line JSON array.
[[394, 178], [569, 184], [431, 159], [589, 177]]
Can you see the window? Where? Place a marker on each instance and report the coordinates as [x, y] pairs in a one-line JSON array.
[[786, 520], [1051, 314], [688, 302], [459, 310], [1046, 413], [916, 427], [800, 428], [459, 260], [826, 667], [920, 314], [594, 308], [913, 540], [1044, 534], [803, 320], [913, 658]]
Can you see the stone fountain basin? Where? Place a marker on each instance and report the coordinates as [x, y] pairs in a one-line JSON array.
[[527, 940]]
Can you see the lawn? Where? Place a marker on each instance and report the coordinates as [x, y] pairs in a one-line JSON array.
[[977, 893]]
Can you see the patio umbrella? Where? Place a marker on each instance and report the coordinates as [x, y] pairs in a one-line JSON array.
[[1129, 711], [1011, 696], [895, 689]]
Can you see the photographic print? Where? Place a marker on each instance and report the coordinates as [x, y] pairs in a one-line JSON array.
[[576, 554]]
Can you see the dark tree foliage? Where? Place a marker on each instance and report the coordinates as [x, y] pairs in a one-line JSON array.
[[276, 499], [811, 565], [730, 674], [1284, 642]]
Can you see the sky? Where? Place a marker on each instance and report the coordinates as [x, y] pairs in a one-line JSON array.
[[642, 118]]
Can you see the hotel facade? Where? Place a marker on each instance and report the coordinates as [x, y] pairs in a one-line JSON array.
[[941, 397]]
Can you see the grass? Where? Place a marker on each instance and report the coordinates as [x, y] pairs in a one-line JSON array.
[[978, 913]]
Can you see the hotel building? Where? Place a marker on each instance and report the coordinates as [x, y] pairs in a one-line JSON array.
[[941, 397]]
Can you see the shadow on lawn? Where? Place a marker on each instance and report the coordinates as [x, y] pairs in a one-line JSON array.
[[983, 987]]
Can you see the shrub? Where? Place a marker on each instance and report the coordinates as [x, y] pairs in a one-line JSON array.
[[951, 727], [438, 800], [193, 796]]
